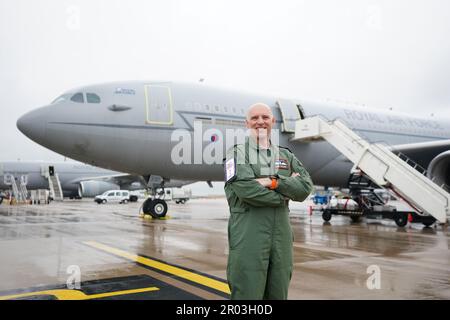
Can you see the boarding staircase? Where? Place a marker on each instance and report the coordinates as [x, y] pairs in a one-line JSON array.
[[23, 188], [55, 188], [20, 193], [380, 164]]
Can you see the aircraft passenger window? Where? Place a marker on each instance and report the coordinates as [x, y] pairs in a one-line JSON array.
[[78, 97], [92, 98]]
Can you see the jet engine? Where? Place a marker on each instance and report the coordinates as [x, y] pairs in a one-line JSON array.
[[439, 169], [93, 188]]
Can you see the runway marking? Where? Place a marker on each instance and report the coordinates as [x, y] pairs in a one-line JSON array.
[[66, 294], [177, 271]]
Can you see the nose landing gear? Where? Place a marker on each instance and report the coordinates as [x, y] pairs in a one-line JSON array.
[[157, 208], [155, 205]]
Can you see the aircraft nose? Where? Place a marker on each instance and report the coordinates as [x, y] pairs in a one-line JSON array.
[[33, 124]]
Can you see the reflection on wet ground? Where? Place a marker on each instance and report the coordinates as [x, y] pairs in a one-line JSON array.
[[332, 260]]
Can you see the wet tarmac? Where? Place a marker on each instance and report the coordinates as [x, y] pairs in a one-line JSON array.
[[120, 255]]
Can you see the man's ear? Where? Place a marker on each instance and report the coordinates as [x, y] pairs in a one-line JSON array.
[[273, 119]]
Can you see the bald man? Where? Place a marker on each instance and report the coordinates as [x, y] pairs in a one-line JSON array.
[[260, 180]]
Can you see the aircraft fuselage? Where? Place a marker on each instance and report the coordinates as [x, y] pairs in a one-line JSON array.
[[130, 128]]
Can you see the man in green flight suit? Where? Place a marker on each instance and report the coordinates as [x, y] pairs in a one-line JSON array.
[[261, 178]]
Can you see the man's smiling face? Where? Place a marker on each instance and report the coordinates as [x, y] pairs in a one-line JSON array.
[[260, 121]]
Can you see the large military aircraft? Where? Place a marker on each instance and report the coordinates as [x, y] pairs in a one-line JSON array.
[[77, 179], [130, 126]]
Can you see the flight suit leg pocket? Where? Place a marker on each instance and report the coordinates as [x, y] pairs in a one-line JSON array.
[[237, 227]]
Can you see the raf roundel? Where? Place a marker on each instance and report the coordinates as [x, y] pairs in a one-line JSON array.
[[214, 138]]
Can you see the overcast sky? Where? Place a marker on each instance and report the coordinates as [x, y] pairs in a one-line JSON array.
[[392, 53]]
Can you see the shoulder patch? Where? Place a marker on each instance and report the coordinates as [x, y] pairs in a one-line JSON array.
[[230, 169]]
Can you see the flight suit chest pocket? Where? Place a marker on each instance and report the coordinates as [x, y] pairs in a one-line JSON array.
[[263, 170]]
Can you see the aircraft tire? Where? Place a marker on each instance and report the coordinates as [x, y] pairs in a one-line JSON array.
[[425, 223], [159, 208], [401, 219], [147, 205], [326, 215]]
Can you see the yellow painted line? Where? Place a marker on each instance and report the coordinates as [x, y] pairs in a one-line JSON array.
[[66, 294], [179, 272]]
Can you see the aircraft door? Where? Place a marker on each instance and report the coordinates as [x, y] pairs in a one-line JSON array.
[[51, 171], [290, 114], [158, 103]]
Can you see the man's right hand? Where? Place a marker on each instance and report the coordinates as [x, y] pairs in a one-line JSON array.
[[265, 182]]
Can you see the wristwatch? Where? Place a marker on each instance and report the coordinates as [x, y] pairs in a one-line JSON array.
[[274, 184]]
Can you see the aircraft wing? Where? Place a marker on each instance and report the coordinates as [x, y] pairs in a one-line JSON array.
[[120, 178], [423, 152], [127, 179]]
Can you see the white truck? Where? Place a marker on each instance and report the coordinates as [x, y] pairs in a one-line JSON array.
[[179, 195]]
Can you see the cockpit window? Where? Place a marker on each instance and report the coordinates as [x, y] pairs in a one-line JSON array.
[[78, 97], [92, 98], [61, 98]]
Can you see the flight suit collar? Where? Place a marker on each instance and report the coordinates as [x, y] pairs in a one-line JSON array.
[[253, 145]]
